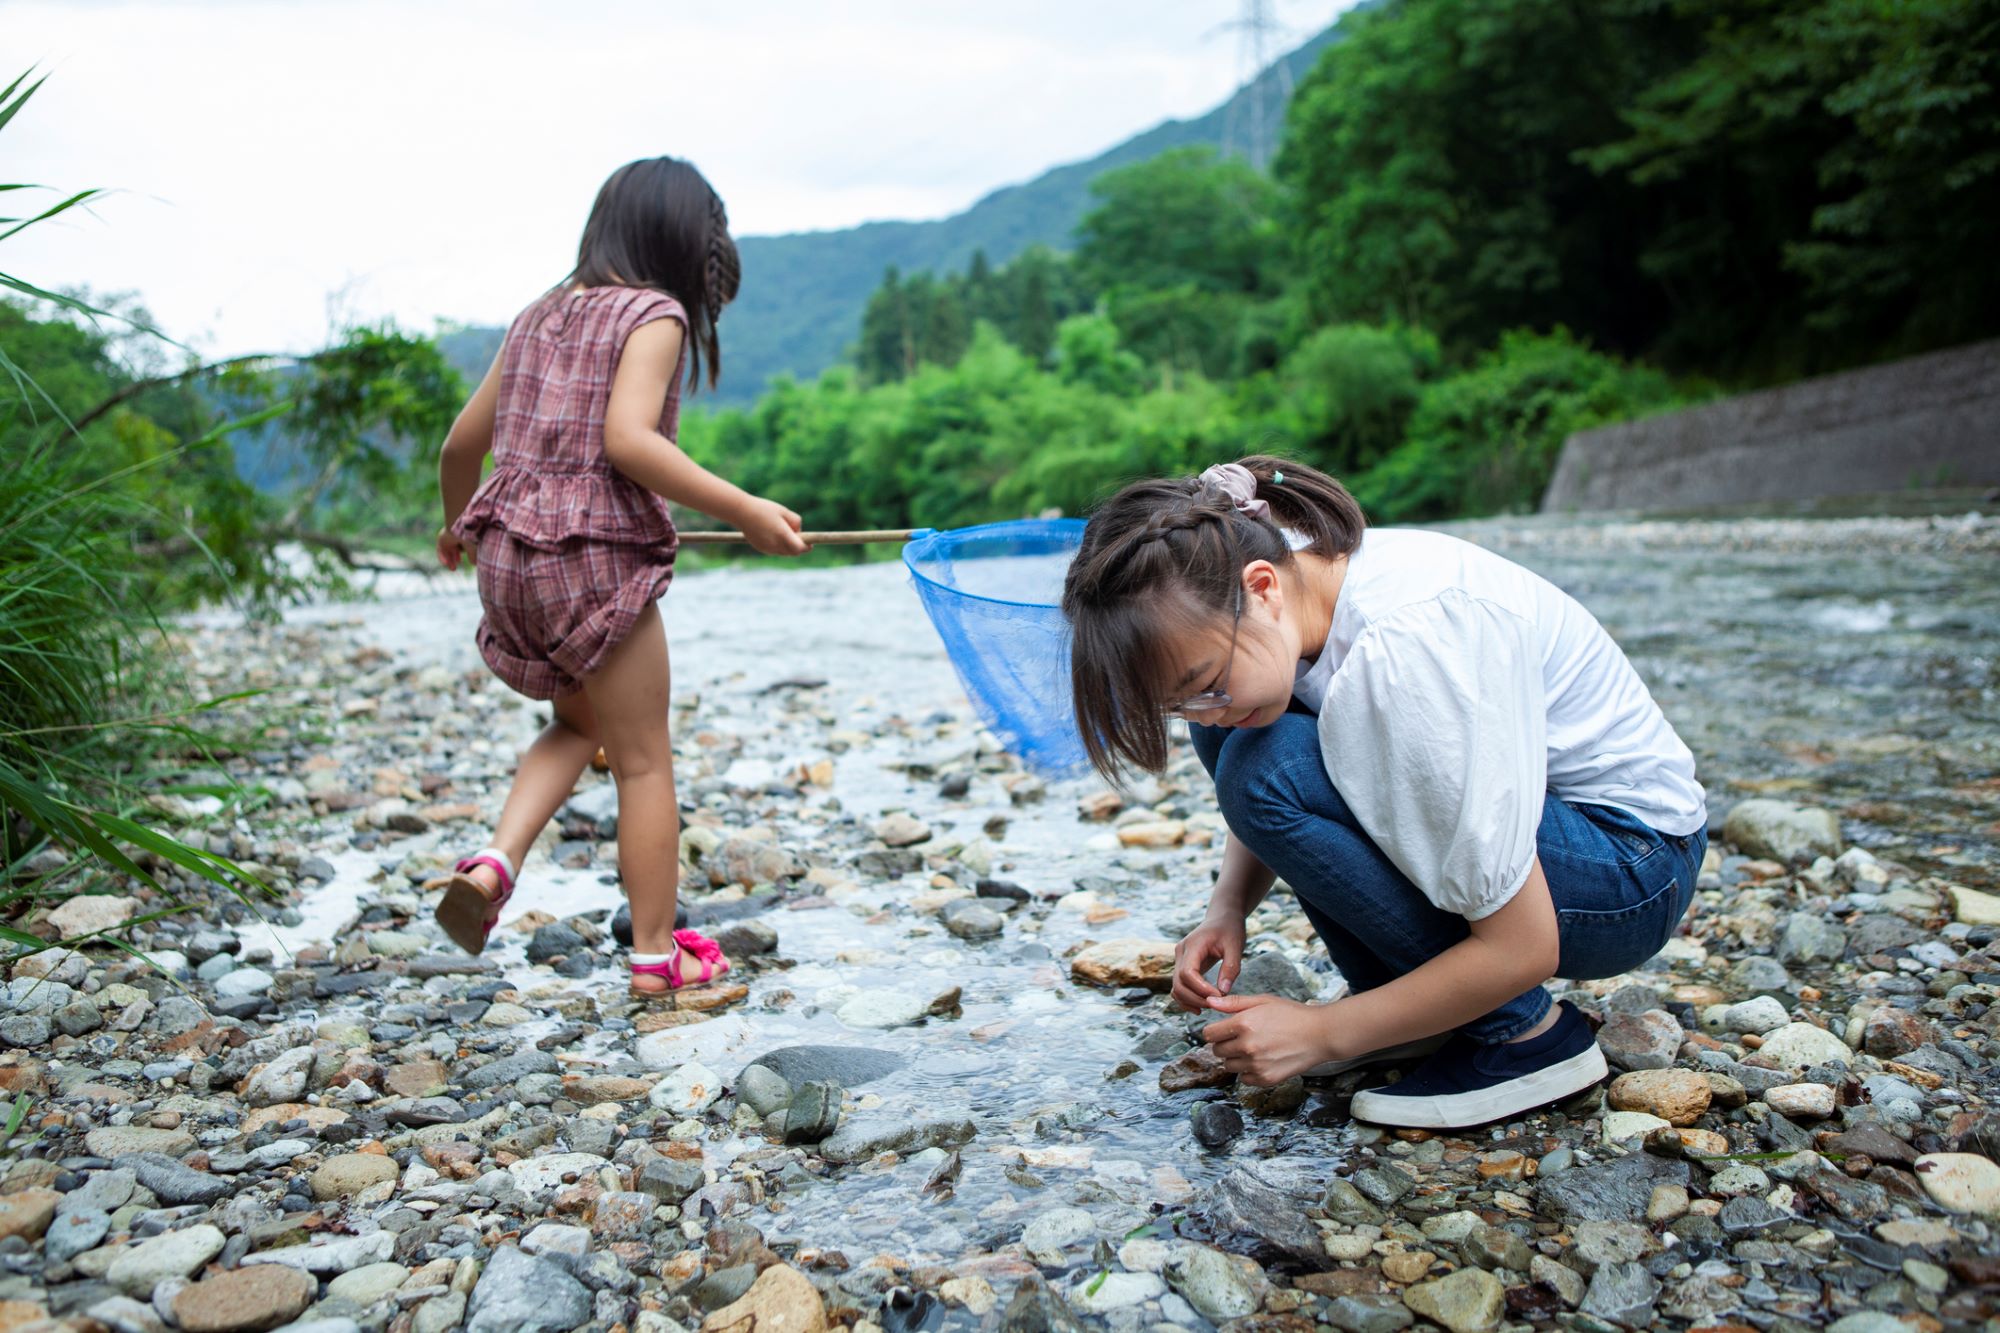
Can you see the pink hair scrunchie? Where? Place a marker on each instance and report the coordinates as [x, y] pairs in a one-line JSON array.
[[1239, 483]]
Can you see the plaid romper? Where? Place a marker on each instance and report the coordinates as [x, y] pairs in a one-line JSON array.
[[569, 551]]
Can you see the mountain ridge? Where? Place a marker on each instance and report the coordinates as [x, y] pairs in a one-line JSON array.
[[804, 292]]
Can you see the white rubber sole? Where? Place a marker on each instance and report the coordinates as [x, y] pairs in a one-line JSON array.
[[1463, 1109], [1388, 1054]]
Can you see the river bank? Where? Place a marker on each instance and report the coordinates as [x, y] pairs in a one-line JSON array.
[[942, 1088]]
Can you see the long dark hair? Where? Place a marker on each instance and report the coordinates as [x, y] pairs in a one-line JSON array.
[[1162, 560], [658, 223]]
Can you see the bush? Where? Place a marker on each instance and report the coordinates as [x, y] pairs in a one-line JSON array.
[[1350, 391], [1485, 441]]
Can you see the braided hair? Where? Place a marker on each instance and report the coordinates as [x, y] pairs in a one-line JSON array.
[[1162, 560], [658, 223]]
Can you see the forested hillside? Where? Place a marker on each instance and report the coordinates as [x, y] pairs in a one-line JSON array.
[[1491, 223]]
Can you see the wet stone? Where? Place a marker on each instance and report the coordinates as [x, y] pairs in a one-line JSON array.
[[849, 1066], [1247, 1202], [813, 1112], [1348, 1205], [969, 919], [1384, 1184], [1495, 1247], [554, 941], [1216, 1125]]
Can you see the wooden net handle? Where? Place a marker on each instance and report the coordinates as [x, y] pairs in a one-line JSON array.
[[815, 538]]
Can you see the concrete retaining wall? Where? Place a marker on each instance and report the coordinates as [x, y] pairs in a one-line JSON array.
[[1930, 421]]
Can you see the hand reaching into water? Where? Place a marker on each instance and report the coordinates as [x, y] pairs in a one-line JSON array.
[[1215, 938], [1264, 1039], [772, 528]]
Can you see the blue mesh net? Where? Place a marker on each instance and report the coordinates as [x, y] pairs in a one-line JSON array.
[[994, 594]]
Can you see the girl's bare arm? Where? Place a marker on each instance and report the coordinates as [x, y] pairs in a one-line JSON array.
[[1243, 882], [1508, 952], [467, 444], [635, 446]]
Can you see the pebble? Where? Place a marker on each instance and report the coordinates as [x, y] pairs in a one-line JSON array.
[[1471, 1300], [244, 1299], [1756, 1016], [1801, 1101], [368, 1284], [1678, 1096], [1219, 1286], [1961, 1182], [1647, 1040], [1797, 1047], [687, 1091], [136, 1271], [350, 1173], [27, 1214], [1148, 963]]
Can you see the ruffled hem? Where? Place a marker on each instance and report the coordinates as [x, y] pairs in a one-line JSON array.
[[547, 509]]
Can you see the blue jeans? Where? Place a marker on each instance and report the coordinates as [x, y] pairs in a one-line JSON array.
[[1620, 888]]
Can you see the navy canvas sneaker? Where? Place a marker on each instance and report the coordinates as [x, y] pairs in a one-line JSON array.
[[1472, 1083]]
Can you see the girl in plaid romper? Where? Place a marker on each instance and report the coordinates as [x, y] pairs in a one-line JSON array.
[[574, 545]]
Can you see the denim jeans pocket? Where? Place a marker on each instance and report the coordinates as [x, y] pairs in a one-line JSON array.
[[1613, 837], [1605, 943]]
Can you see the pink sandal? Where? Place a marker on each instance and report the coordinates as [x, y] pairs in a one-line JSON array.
[[686, 942], [466, 914]]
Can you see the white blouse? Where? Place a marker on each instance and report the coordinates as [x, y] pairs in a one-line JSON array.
[[1455, 689]]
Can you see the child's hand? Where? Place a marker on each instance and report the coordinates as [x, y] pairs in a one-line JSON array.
[[450, 549], [773, 529], [1213, 939], [1266, 1039]]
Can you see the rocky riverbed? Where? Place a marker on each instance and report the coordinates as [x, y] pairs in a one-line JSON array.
[[942, 1088]]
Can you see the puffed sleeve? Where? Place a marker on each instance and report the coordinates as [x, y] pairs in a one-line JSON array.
[[1434, 732]]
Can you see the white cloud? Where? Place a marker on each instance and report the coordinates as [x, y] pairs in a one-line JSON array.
[[436, 159]]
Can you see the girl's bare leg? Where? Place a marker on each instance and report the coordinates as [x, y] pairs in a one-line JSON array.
[[546, 779], [629, 695]]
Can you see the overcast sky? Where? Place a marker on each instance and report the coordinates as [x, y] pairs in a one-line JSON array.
[[283, 163]]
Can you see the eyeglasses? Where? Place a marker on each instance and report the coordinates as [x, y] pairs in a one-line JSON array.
[[1210, 700]]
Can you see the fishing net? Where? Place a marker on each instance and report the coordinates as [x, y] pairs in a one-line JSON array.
[[994, 594]]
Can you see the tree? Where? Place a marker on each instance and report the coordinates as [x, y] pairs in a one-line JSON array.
[[1431, 159], [1842, 156]]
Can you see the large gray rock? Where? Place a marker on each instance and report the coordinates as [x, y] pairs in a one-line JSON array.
[[1265, 1203], [1609, 1191], [1781, 830], [518, 1292], [849, 1066]]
